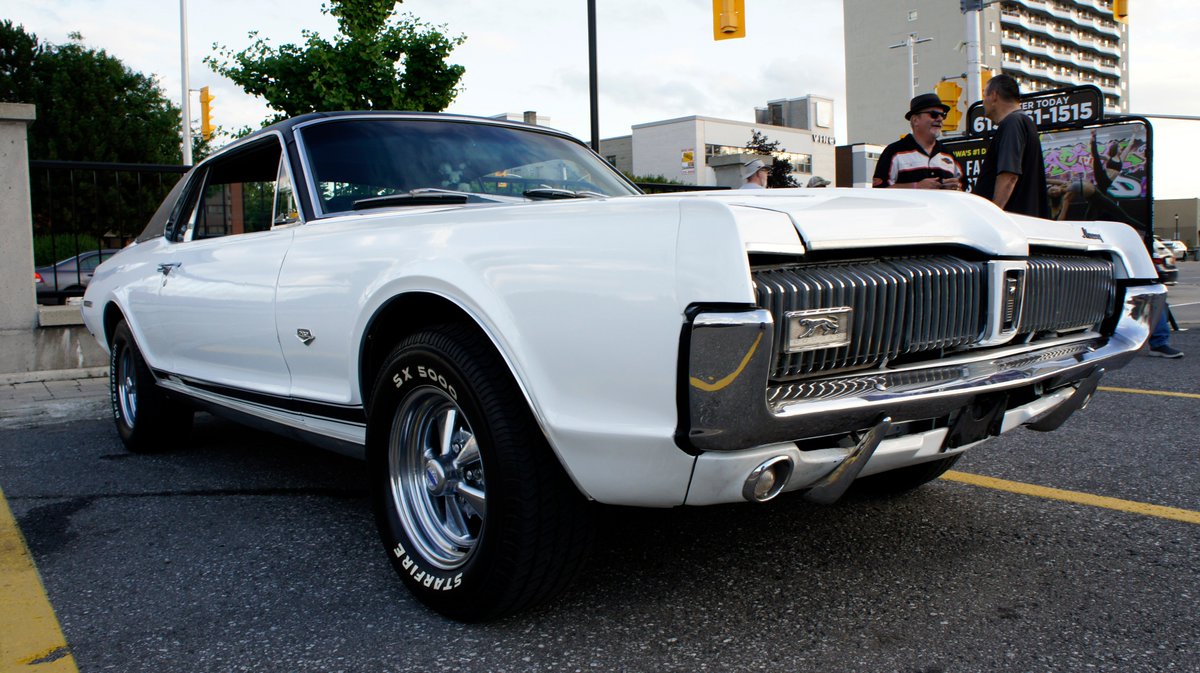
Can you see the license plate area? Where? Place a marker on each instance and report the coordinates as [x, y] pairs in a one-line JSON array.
[[977, 421]]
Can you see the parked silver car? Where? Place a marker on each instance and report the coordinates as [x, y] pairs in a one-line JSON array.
[[1164, 263], [68, 278], [1177, 248]]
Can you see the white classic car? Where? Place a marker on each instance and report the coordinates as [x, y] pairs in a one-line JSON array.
[[505, 329]]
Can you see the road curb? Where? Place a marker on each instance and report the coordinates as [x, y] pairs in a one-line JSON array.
[[53, 375]]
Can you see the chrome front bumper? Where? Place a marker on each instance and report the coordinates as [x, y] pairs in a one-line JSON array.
[[731, 407]]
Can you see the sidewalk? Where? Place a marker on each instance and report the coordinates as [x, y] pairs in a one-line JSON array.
[[39, 398]]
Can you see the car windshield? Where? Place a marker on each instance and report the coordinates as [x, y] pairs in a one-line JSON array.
[[357, 161]]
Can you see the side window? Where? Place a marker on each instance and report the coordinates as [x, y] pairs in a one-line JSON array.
[[89, 264], [287, 211], [237, 195]]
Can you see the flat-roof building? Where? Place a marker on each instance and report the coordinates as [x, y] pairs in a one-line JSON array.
[[683, 150]]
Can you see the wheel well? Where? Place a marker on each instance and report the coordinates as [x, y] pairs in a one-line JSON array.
[[401, 316], [112, 316]]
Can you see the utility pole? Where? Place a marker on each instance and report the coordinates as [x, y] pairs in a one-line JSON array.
[[911, 41], [970, 10], [186, 108], [593, 77]]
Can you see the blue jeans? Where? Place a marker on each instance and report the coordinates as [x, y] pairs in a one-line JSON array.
[[1161, 335]]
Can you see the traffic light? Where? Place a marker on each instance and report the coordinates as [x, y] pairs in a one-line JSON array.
[[206, 126], [985, 76], [729, 19], [948, 92], [1121, 11]]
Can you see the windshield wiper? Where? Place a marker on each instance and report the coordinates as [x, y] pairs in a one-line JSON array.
[[410, 199], [551, 193], [428, 196]]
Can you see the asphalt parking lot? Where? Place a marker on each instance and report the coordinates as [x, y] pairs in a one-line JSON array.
[[240, 551]]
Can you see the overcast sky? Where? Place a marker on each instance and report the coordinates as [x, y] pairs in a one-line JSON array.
[[657, 60]]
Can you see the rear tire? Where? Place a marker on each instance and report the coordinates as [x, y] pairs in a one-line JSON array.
[[474, 510], [904, 479], [147, 419]]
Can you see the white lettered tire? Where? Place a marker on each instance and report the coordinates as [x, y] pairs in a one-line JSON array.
[[475, 513], [147, 419]]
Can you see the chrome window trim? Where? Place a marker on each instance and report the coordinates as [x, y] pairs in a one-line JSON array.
[[202, 172]]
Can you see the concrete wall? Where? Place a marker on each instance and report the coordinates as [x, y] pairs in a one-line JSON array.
[[32, 338], [1178, 219], [618, 152]]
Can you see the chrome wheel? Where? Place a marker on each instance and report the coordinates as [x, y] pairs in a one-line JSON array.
[[126, 375], [436, 479]]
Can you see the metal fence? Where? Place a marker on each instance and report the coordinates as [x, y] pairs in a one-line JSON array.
[[81, 209]]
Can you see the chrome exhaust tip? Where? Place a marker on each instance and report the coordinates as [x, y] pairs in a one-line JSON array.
[[768, 479]]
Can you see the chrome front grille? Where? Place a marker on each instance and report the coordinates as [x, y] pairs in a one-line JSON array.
[[900, 306], [914, 305], [1066, 292]]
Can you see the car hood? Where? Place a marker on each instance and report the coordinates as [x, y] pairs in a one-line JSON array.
[[868, 219]]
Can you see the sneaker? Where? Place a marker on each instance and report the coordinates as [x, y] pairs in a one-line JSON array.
[[1165, 352]]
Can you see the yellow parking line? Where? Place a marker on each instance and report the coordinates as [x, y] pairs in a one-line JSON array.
[[30, 637], [1146, 509], [1138, 391]]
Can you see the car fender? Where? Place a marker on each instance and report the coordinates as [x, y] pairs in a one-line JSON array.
[[580, 299]]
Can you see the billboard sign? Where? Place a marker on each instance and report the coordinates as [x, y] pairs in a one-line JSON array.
[[1053, 109]]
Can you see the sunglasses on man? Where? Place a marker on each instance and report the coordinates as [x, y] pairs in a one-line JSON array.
[[935, 114]]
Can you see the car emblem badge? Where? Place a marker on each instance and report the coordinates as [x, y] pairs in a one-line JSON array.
[[306, 337], [1091, 235], [816, 329]]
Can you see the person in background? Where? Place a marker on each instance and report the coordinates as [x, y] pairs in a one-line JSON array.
[[919, 160], [1013, 175], [755, 173], [818, 181], [1160, 341]]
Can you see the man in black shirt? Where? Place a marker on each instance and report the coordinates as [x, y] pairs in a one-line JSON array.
[[1013, 175], [918, 160]]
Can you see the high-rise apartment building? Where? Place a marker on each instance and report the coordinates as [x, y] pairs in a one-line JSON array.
[[1045, 44]]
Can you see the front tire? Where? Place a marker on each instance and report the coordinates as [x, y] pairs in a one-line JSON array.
[[148, 421], [475, 512]]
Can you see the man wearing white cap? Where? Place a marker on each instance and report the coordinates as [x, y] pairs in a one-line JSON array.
[[755, 173]]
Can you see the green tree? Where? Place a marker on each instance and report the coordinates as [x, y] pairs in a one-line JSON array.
[[90, 106], [781, 169], [378, 60]]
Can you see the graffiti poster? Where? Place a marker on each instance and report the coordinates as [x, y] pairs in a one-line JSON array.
[[1099, 172]]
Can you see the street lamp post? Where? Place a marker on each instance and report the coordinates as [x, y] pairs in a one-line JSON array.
[[186, 108], [593, 78], [911, 41]]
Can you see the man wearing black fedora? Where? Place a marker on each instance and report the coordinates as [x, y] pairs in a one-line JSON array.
[[918, 160]]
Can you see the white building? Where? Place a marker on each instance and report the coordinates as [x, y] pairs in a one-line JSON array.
[[1044, 44], [681, 150]]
